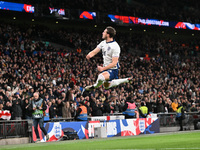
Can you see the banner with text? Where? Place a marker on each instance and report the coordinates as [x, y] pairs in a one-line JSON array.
[[85, 130]]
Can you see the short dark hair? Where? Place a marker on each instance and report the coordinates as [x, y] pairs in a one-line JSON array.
[[142, 103], [111, 31]]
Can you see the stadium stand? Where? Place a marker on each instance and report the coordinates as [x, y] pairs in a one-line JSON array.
[[171, 71]]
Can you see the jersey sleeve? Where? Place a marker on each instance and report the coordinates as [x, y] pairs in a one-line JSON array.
[[100, 45], [116, 51]]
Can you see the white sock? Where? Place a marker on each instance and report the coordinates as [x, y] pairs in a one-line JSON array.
[[117, 82], [100, 81]]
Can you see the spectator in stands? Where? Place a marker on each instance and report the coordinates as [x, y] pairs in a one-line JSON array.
[[59, 107], [1, 105], [168, 105], [106, 107], [160, 105], [1, 109], [149, 104], [26, 109], [17, 107], [1, 98], [97, 108], [193, 108], [46, 97], [81, 113], [52, 110], [174, 105], [67, 110], [89, 108]]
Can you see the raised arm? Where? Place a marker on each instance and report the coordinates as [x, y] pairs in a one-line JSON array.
[[92, 53]]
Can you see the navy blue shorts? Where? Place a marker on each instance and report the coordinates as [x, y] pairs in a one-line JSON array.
[[113, 73]]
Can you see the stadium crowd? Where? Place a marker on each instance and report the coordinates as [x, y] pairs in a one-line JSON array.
[[169, 77]]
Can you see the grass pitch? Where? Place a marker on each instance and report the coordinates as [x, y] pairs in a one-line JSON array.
[[170, 141]]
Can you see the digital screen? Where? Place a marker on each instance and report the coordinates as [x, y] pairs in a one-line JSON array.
[[16, 7], [59, 11], [87, 15], [136, 20], [187, 25], [156, 22]]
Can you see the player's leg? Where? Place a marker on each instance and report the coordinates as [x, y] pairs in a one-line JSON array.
[[114, 81], [117, 82], [100, 80]]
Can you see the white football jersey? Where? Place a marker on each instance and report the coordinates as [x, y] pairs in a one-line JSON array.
[[109, 50]]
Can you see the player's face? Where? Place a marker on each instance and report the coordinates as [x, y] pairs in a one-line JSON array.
[[104, 34]]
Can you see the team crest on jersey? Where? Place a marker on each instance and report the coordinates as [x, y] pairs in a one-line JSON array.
[[108, 48]]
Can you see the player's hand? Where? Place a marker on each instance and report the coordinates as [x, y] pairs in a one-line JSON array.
[[88, 57], [100, 69]]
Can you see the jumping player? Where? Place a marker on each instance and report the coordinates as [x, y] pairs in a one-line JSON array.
[[111, 51]]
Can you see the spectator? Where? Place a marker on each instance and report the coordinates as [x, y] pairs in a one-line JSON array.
[[17, 107], [52, 110], [97, 108], [149, 104], [106, 107], [1, 105], [160, 105], [59, 107], [67, 110], [26, 109], [174, 105], [193, 108]]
